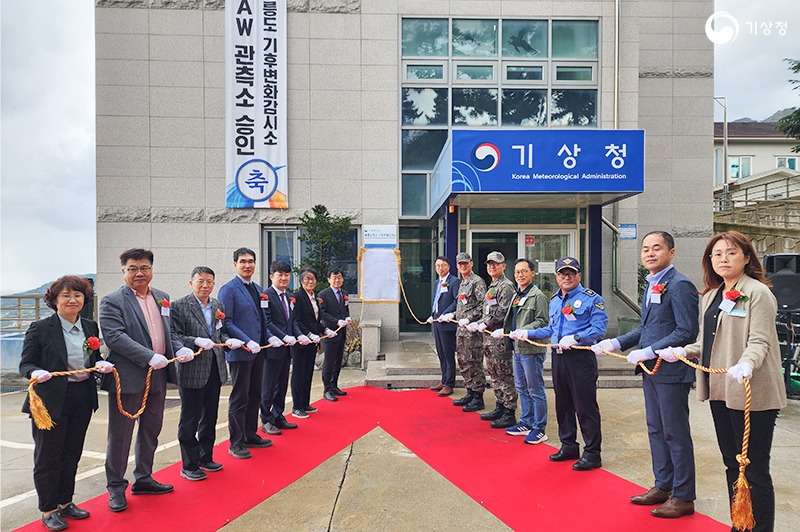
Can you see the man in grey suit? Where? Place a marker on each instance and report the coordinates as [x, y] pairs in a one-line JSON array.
[[669, 319], [135, 321], [198, 320]]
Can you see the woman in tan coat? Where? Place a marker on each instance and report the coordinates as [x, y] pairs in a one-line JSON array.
[[737, 332]]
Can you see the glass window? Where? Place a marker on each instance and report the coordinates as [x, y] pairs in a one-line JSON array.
[[427, 37], [425, 107], [475, 107], [415, 195], [573, 73], [525, 107], [279, 244], [421, 148], [573, 108], [524, 38], [787, 162], [347, 262], [423, 72], [521, 216], [474, 72], [474, 38], [524, 73], [741, 166], [575, 38]]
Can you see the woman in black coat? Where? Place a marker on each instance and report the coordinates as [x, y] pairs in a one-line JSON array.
[[62, 342], [306, 312]]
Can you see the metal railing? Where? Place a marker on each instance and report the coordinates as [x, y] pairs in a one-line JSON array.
[[768, 213], [18, 312]]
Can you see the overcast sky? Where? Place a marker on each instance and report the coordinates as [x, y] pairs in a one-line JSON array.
[[47, 149]]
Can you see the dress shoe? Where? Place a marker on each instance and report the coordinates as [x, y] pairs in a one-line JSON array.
[[271, 429], [445, 391], [73, 512], [285, 425], [117, 502], [328, 396], [193, 474], [257, 442], [464, 400], [54, 521], [437, 387], [210, 467], [563, 456], [340, 393], [494, 414], [508, 419], [300, 413], [673, 508], [653, 496], [238, 450], [585, 464], [475, 404], [311, 409], [150, 487]]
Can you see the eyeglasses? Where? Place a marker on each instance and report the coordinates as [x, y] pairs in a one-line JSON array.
[[567, 273], [133, 270], [520, 272], [203, 282], [727, 255], [246, 261]]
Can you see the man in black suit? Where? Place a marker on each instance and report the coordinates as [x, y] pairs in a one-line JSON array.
[[197, 320], [334, 310], [282, 325], [443, 307]]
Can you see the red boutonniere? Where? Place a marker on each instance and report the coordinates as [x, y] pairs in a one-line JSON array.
[[346, 298], [444, 284], [736, 295], [660, 288], [515, 302], [265, 297], [567, 310], [462, 297], [319, 300], [164, 303], [292, 300], [219, 315], [490, 294], [91, 344]]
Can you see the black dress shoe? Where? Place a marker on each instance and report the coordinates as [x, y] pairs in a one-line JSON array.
[[271, 429], [210, 467], [193, 474], [54, 521], [340, 393], [330, 397], [283, 424], [585, 464], [73, 512], [257, 442], [562, 456], [238, 450], [150, 487], [117, 502]]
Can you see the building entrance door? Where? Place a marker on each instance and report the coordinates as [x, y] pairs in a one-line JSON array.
[[483, 243], [544, 248]]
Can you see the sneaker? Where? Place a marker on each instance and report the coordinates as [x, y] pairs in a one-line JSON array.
[[210, 467], [238, 450], [193, 474], [520, 429], [299, 413], [311, 409], [535, 437]]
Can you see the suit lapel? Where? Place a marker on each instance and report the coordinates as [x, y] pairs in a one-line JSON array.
[[197, 312], [133, 306], [246, 293]]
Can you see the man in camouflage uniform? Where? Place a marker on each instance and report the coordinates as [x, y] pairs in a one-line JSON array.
[[499, 359], [469, 345]]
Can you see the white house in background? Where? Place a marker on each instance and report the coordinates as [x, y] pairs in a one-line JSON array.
[[753, 148]]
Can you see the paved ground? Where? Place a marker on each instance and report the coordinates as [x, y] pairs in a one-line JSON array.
[[376, 480]]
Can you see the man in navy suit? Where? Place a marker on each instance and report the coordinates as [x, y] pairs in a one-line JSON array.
[[246, 318], [283, 326], [334, 313], [669, 318], [443, 307]]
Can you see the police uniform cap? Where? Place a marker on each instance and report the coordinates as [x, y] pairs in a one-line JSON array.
[[568, 262]]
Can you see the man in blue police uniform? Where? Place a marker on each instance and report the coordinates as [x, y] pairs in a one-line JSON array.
[[577, 317]]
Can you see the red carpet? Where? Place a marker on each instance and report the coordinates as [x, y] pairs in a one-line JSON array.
[[516, 482]]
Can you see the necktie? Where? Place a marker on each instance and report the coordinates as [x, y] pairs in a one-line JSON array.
[[339, 298], [436, 298], [285, 306]]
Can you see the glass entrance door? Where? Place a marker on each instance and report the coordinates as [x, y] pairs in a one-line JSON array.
[[483, 243], [544, 248]]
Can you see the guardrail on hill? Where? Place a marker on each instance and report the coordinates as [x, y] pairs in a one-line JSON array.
[[18, 312]]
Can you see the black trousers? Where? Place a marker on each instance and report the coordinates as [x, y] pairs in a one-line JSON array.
[[275, 385], [332, 363], [302, 373], [446, 351], [575, 386], [197, 426], [57, 451], [245, 398], [729, 425]]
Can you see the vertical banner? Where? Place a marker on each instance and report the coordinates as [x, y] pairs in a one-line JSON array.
[[255, 104], [379, 267]]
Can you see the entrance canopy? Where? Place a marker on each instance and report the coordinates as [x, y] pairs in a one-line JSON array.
[[538, 168]]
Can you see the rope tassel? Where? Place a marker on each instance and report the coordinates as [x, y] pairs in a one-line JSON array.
[[38, 411]]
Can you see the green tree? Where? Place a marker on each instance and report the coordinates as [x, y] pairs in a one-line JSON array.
[[323, 235], [790, 124]]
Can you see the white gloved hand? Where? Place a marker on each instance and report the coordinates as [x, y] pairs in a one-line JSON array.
[[430, 319], [668, 353], [274, 341], [303, 340], [185, 355], [741, 371], [445, 317], [480, 327], [607, 345], [289, 340], [518, 334], [253, 347], [463, 322], [330, 334], [640, 355], [158, 361], [497, 334], [103, 366], [205, 343], [41, 375], [234, 343], [567, 341], [348, 320], [472, 327], [313, 337], [341, 323]]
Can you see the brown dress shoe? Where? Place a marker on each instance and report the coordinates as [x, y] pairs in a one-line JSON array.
[[445, 391], [437, 387], [673, 508], [653, 496]]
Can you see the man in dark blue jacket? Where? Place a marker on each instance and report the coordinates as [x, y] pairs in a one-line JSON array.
[[443, 307]]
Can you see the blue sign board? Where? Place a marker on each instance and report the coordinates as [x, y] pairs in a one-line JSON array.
[[548, 160]]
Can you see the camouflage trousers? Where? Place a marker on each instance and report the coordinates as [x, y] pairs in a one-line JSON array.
[[470, 361], [500, 366]]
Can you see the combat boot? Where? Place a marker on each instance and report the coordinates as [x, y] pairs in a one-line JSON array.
[[475, 404], [508, 419], [494, 414], [464, 400]]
